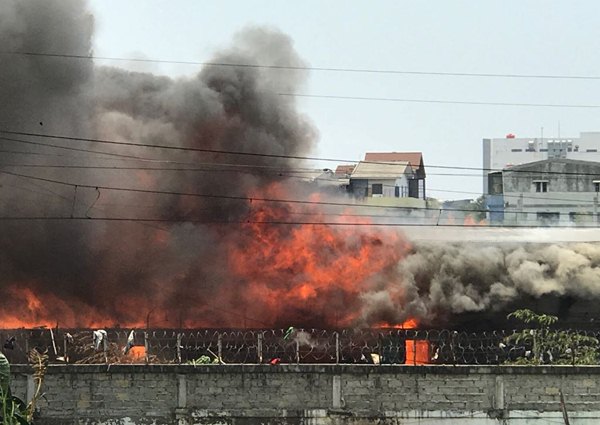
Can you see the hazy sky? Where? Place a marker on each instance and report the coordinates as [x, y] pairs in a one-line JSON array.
[[513, 37]]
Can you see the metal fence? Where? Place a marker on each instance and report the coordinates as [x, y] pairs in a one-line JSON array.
[[231, 346]]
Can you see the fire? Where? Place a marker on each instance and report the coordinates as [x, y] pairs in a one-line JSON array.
[[268, 275], [310, 273], [417, 352], [407, 324], [471, 221], [137, 352]]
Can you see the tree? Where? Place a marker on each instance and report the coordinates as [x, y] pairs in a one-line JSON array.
[[478, 209], [539, 344]]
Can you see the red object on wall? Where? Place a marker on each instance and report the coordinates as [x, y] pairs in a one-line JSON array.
[[510, 136]]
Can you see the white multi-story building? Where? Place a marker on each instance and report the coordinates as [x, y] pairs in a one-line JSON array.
[[499, 154]]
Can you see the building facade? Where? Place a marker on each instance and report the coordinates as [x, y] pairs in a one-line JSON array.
[[381, 180], [556, 191], [414, 159], [502, 153]]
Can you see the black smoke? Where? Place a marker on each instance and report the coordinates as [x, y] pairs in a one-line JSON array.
[[107, 266]]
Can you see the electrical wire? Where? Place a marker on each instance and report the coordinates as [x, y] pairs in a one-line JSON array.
[[273, 222], [264, 155], [282, 174], [261, 199], [306, 68], [438, 101]]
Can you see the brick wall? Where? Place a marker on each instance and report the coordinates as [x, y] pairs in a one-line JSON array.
[[313, 394]]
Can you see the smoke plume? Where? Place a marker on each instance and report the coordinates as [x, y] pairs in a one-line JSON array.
[[442, 280]]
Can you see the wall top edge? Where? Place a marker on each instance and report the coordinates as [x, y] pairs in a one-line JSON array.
[[314, 368]]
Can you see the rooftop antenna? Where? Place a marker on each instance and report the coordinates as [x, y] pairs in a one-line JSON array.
[[542, 131]]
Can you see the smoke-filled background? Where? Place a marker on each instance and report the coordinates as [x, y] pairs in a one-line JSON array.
[[133, 258]]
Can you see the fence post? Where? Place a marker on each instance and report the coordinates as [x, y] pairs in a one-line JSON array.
[[297, 352], [146, 347], [259, 347], [414, 350], [380, 349], [220, 347], [337, 348], [179, 347], [65, 352], [453, 347]]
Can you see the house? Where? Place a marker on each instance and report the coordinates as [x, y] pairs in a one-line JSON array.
[[381, 179], [343, 171], [415, 159], [557, 191]]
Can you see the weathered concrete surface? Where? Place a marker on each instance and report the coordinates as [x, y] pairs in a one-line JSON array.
[[314, 394]]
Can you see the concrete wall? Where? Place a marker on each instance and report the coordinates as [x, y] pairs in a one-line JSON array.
[[565, 176], [313, 394]]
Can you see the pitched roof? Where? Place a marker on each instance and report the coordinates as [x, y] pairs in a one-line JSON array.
[[375, 170], [343, 170], [415, 159]]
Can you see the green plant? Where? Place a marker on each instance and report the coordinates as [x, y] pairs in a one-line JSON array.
[[544, 345], [202, 360], [15, 411]]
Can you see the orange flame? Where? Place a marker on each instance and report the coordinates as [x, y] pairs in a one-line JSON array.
[[273, 275], [417, 352], [137, 352]]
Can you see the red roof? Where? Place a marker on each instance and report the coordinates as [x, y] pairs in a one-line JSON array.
[[343, 170], [415, 159]]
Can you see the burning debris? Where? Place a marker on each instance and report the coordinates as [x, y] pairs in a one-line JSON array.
[[97, 348]]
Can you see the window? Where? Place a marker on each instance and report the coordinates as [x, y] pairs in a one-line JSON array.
[[377, 189], [544, 150], [591, 150], [547, 218], [516, 150], [596, 186], [397, 191], [574, 217], [541, 186]]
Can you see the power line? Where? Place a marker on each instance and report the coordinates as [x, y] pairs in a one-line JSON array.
[[29, 142], [442, 102], [308, 68], [279, 170], [191, 194], [274, 200], [257, 154], [285, 174], [247, 168], [268, 222]]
